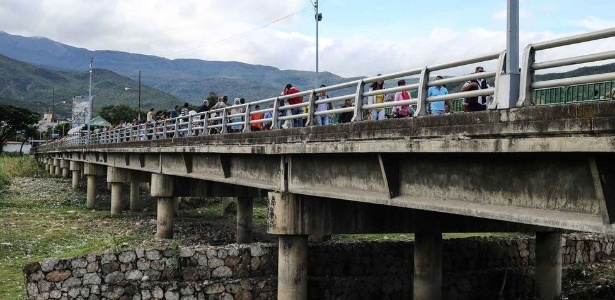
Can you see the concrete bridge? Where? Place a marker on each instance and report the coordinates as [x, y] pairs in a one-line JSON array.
[[515, 167]]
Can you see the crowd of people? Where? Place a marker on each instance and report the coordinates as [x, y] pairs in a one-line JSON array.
[[236, 110]]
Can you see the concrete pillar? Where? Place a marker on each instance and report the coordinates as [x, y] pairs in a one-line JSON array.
[[91, 192], [57, 170], [428, 266], [162, 187], [75, 167], [91, 170], [50, 166], [64, 165], [293, 267], [245, 208], [289, 219], [115, 178], [548, 265], [116, 198], [135, 204], [226, 202]]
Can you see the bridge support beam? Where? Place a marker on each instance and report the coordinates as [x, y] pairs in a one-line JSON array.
[[116, 177], [290, 222], [135, 182], [245, 208], [428, 266], [162, 187], [65, 166], [548, 265], [75, 167]]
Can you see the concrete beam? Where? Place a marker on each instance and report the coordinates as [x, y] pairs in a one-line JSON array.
[[162, 187]]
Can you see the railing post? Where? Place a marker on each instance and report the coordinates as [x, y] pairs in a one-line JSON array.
[[189, 125], [206, 123], [506, 86], [358, 102], [176, 127], [247, 127], [527, 77], [421, 103], [311, 110], [224, 121], [274, 114]]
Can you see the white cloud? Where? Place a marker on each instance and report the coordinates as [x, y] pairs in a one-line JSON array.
[[236, 31]]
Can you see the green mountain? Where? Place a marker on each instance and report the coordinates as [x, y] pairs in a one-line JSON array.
[[37, 88], [189, 79]]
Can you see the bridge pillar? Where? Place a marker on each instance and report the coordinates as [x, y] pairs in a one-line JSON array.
[[292, 267], [226, 203], [427, 266], [49, 166], [135, 203], [162, 187], [116, 177], [75, 167], [290, 222], [57, 170], [91, 170], [245, 208], [548, 265], [65, 166]]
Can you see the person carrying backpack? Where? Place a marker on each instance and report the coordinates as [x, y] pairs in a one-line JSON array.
[[402, 111]]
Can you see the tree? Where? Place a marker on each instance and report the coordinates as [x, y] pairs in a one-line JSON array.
[[116, 114], [24, 136], [13, 120], [212, 99]]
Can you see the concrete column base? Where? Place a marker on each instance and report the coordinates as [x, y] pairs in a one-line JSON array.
[[428, 266], [548, 265], [226, 202], [245, 227], [165, 217], [91, 191], [293, 267], [65, 172], [116, 198]]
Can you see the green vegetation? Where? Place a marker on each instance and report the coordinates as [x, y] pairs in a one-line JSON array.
[[12, 165], [16, 121]]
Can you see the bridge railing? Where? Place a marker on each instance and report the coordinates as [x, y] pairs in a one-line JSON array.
[[276, 113], [530, 66]]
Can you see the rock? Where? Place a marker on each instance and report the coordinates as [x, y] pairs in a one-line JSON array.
[[91, 278], [114, 277], [222, 272], [127, 257], [49, 264], [57, 276]]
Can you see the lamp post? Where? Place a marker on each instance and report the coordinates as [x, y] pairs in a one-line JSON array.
[[138, 97], [318, 18], [89, 110]]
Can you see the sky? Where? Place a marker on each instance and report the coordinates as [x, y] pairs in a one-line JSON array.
[[356, 37]]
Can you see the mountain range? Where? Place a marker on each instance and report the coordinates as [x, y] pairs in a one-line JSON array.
[[189, 79]]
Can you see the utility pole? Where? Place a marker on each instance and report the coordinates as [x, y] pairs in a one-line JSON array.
[[318, 18], [89, 111], [53, 108], [139, 104]]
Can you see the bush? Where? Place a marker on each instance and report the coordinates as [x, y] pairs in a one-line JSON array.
[[12, 165]]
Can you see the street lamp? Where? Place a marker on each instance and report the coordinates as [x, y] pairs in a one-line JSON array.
[[318, 18]]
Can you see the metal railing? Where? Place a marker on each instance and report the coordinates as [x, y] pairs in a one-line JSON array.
[[276, 113], [530, 66], [595, 91]]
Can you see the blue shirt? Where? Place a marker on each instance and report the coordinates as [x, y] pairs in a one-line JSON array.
[[435, 91]]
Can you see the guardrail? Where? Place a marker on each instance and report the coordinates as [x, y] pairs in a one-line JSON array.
[[530, 66], [274, 114], [596, 91]]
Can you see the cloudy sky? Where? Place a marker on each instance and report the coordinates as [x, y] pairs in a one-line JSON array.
[[356, 37]]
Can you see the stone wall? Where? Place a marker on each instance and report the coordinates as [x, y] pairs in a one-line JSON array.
[[476, 268]]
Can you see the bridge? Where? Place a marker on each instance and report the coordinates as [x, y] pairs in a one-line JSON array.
[[516, 167]]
